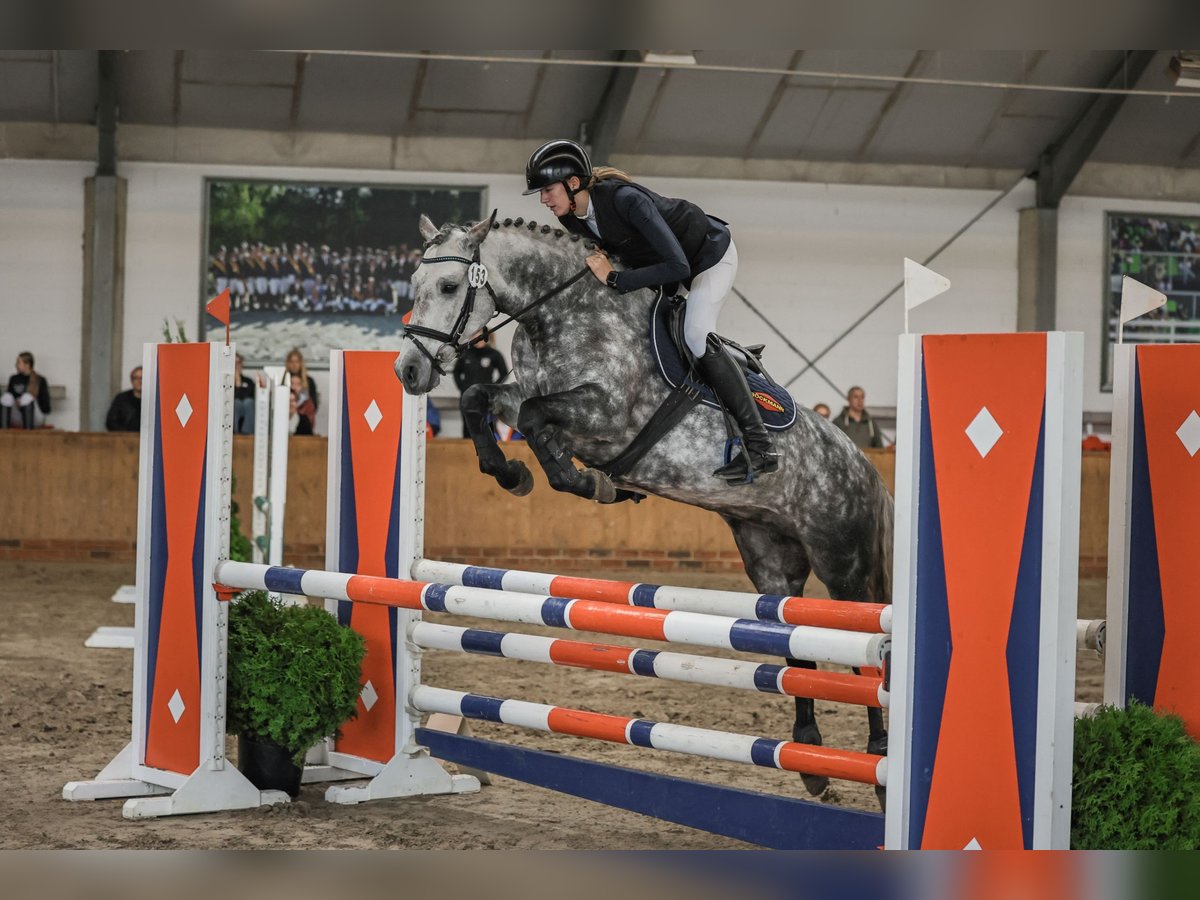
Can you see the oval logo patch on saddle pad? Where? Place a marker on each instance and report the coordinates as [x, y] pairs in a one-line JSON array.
[[778, 407]]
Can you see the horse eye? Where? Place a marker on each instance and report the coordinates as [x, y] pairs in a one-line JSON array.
[[449, 288]]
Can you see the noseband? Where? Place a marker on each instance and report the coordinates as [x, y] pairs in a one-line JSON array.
[[477, 277]]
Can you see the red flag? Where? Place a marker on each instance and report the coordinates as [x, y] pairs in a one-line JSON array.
[[218, 308]]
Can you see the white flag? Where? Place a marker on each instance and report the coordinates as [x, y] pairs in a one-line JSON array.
[[921, 284], [1137, 299]]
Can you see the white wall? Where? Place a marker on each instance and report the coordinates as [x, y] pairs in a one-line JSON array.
[[1083, 277], [41, 274], [813, 258]]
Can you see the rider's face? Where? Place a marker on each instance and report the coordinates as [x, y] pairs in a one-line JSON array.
[[554, 198]]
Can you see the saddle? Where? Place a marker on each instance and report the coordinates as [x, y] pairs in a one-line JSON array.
[[677, 365]]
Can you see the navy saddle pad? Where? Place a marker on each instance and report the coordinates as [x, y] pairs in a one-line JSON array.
[[776, 404]]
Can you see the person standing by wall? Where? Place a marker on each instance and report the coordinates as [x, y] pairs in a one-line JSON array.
[[26, 390], [125, 413], [481, 363], [856, 422], [295, 366]]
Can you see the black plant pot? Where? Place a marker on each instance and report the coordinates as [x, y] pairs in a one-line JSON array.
[[268, 766]]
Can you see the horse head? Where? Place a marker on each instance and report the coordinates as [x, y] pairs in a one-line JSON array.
[[451, 302]]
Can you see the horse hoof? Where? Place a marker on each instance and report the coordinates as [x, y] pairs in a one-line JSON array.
[[524, 478], [811, 735], [815, 784], [603, 490]]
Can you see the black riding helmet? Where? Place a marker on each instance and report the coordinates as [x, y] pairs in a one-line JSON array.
[[555, 161]]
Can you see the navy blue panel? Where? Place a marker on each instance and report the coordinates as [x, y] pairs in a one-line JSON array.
[[780, 823], [554, 611], [391, 552], [348, 511], [762, 752], [639, 733], [769, 638], [158, 555], [1021, 652], [283, 580], [674, 371], [932, 645], [767, 607], [475, 640], [347, 539], [766, 678], [643, 662], [476, 706], [1145, 629], [201, 580], [435, 597], [483, 577], [643, 594]]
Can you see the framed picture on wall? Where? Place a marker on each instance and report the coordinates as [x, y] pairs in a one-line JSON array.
[[1163, 252], [318, 266]]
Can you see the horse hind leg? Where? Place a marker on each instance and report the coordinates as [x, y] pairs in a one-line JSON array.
[[778, 564]]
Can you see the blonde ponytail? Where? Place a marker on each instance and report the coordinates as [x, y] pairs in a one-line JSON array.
[[607, 173]]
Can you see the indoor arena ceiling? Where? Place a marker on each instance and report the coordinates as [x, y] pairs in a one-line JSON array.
[[681, 111]]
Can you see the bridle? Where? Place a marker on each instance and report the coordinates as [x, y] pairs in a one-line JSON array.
[[477, 277]]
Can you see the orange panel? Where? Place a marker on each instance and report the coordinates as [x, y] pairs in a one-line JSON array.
[[371, 379], [983, 502], [182, 371], [1170, 386]]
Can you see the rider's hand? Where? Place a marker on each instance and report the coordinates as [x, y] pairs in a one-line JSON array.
[[599, 264]]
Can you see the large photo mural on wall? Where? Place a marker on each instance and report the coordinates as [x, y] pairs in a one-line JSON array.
[[1163, 252], [318, 266]]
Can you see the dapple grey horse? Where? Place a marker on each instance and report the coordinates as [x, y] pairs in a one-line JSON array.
[[586, 382]]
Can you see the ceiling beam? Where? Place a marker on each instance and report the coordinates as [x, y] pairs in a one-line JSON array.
[[106, 113], [177, 88], [298, 88], [901, 89], [606, 121], [1061, 161], [773, 102]]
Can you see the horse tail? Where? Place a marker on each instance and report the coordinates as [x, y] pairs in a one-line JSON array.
[[880, 580]]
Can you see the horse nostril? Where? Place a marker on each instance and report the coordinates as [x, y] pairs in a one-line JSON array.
[[409, 375]]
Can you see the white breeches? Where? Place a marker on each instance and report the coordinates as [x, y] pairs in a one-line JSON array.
[[705, 299]]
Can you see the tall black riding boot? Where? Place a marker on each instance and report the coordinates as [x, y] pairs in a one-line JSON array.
[[725, 376]]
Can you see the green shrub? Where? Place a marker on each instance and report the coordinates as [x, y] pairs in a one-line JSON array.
[[293, 672], [1137, 782]]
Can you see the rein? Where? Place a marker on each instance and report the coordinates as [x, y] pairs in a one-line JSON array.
[[477, 277]]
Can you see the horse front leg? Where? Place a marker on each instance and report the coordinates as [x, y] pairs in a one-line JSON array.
[[545, 420], [503, 401]]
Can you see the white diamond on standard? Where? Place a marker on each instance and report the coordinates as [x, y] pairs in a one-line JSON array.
[[973, 844], [1189, 433], [369, 697], [373, 415], [184, 410], [984, 432], [176, 706]]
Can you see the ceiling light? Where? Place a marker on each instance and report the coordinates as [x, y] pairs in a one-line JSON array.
[[1185, 68], [669, 57]]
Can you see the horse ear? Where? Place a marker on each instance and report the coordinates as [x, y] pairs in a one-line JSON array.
[[428, 230], [480, 230]]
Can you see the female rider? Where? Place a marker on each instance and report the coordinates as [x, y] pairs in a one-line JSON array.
[[664, 242]]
